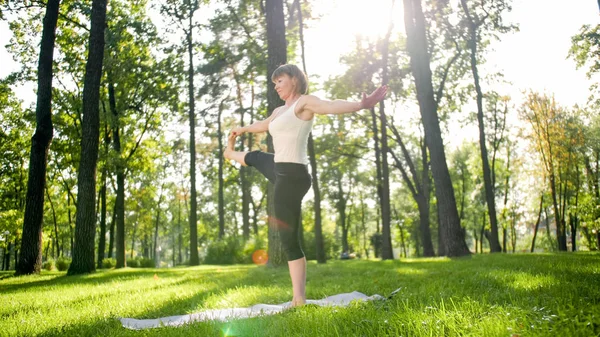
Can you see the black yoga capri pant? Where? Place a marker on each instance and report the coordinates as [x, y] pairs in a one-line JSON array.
[[292, 181]]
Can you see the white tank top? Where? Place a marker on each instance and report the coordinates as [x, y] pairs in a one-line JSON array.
[[290, 136]]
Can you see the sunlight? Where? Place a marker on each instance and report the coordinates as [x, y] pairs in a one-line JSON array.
[[335, 33], [364, 18]]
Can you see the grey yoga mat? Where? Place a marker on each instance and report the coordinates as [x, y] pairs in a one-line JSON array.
[[237, 313]]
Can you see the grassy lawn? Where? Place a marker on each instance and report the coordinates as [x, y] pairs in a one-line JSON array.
[[486, 295]]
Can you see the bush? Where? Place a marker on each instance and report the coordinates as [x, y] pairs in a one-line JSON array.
[[48, 265], [63, 263], [250, 247], [146, 263], [108, 263], [228, 251], [310, 246], [133, 263]]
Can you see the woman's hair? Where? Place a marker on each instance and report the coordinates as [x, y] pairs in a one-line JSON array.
[[293, 72]]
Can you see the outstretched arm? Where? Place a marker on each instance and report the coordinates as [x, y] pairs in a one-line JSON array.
[[256, 127], [319, 106]]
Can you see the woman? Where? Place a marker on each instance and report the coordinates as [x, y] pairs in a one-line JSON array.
[[287, 168]]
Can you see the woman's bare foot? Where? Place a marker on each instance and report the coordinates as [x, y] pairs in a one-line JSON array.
[[298, 302], [230, 146]]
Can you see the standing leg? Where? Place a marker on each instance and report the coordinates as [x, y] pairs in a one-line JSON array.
[[292, 183], [298, 276]]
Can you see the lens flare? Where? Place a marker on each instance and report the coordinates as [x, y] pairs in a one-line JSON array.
[[260, 257]]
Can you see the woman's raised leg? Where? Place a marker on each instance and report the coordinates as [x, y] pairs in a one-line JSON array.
[[232, 154]]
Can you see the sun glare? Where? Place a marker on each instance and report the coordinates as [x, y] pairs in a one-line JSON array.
[[370, 19], [335, 32]]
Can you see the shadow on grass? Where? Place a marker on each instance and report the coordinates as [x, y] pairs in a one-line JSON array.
[[112, 326], [487, 279], [105, 276]]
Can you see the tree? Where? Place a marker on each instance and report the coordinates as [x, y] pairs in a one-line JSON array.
[[276, 56], [183, 16], [14, 141], [475, 23], [85, 226], [556, 139], [30, 260], [318, 227], [417, 45]]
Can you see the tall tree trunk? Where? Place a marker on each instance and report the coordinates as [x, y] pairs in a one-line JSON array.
[[420, 65], [30, 259], [419, 188], [111, 238], [562, 244], [548, 226], [6, 257], [319, 242], [378, 176], [340, 205], [180, 234], [574, 218], [85, 222], [102, 238], [386, 247], [537, 223], [194, 258], [119, 166], [71, 235], [221, 201], [318, 226], [55, 238], [487, 175], [156, 249], [244, 182], [276, 56]]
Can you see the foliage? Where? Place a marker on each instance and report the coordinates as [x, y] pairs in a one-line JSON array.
[[48, 265], [63, 263], [108, 263], [226, 251]]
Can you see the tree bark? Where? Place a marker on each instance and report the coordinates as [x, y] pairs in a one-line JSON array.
[[85, 226], [487, 175], [318, 226], [55, 239], [111, 238], [244, 182], [102, 238], [221, 201], [119, 166], [276, 56], [193, 216], [420, 65], [419, 188], [386, 248], [537, 223], [319, 242], [30, 259], [378, 176], [386, 245]]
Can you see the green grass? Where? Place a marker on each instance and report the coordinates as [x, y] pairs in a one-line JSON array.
[[486, 295]]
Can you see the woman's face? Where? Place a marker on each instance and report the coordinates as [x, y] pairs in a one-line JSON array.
[[285, 86]]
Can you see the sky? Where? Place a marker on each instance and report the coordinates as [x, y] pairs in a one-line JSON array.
[[533, 58]]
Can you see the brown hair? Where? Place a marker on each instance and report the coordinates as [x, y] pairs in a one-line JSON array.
[[293, 72]]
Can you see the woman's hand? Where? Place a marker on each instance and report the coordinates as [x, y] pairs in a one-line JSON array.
[[238, 131], [368, 102]]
